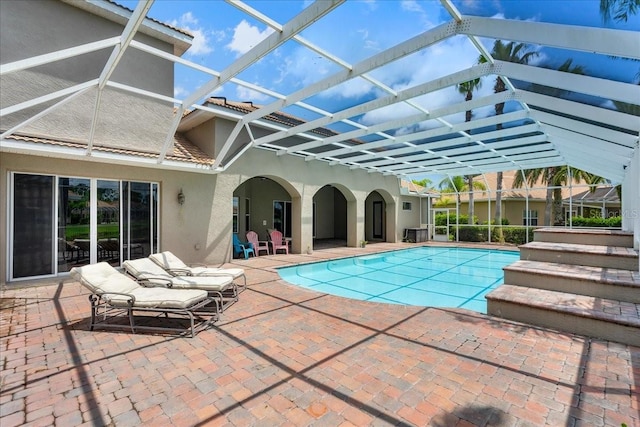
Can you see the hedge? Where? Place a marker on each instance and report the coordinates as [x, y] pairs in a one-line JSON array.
[[580, 221]]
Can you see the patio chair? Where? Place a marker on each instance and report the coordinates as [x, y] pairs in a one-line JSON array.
[[258, 245], [115, 297], [148, 273], [177, 267], [277, 242], [245, 248]]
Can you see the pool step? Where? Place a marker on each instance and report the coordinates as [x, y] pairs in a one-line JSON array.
[[617, 257], [608, 319], [589, 285], [584, 237], [623, 285]]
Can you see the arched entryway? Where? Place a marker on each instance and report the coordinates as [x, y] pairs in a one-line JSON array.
[[379, 218], [330, 216], [264, 203]]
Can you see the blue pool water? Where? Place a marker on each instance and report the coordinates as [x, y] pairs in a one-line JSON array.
[[424, 276]]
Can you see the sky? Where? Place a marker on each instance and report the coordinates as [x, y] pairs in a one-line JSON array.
[[357, 30]]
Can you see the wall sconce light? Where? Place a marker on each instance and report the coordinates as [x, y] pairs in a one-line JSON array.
[[181, 197]]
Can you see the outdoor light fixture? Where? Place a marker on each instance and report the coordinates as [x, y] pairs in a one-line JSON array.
[[181, 197]]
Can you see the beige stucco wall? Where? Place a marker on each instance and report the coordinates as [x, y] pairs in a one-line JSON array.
[[26, 30], [200, 230]]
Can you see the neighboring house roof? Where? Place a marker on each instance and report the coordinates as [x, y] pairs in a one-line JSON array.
[[490, 180], [601, 195], [414, 189]]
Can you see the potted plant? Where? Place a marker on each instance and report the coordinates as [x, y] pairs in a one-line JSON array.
[[363, 243]]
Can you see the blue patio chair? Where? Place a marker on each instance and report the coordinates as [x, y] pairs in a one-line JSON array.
[[245, 248]]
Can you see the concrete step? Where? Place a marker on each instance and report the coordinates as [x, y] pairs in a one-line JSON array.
[[617, 257], [578, 314], [622, 285], [602, 237]]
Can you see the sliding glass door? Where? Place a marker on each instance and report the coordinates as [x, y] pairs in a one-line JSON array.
[[58, 223], [32, 214]]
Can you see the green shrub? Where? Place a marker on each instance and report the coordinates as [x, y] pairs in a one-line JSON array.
[[579, 221]]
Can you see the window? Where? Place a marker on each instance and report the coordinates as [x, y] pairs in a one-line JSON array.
[[282, 217], [236, 212], [60, 222], [530, 218], [247, 215], [406, 206]]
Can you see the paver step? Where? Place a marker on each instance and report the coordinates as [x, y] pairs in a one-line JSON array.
[[584, 315], [601, 237], [618, 257], [622, 285]]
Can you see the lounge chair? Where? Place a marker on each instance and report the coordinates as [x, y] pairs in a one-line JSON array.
[[148, 273], [177, 267], [277, 242], [245, 248], [258, 245], [115, 296]]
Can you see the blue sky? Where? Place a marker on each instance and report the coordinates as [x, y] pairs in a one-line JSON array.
[[355, 31], [359, 29]]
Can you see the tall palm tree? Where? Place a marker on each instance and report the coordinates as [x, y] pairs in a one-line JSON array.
[[458, 185], [511, 52], [466, 89], [555, 177]]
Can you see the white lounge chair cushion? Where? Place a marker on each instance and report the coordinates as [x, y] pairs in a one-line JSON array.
[[163, 298], [103, 278], [212, 283], [146, 269], [169, 261]]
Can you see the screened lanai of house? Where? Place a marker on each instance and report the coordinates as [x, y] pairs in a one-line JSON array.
[[530, 114]]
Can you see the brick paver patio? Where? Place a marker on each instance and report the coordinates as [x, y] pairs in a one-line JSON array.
[[284, 355]]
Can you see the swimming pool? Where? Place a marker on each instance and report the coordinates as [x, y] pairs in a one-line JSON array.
[[425, 276]]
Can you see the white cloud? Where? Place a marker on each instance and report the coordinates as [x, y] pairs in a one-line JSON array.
[[179, 92], [246, 94], [246, 36], [201, 44], [451, 55]]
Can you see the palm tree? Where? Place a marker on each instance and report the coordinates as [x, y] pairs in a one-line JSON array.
[[555, 177], [466, 89], [457, 184], [511, 52], [620, 9], [425, 183]]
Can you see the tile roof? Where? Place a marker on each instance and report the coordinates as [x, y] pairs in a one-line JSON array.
[[276, 117], [164, 24], [183, 149]]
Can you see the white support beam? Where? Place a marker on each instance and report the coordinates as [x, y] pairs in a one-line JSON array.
[[570, 82], [587, 39], [431, 86], [46, 98], [440, 131], [133, 23], [59, 55], [43, 113], [583, 111], [405, 48], [301, 21], [405, 121], [585, 128]]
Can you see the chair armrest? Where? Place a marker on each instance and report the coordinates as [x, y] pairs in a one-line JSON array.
[[197, 264], [180, 271], [132, 298], [153, 282]]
